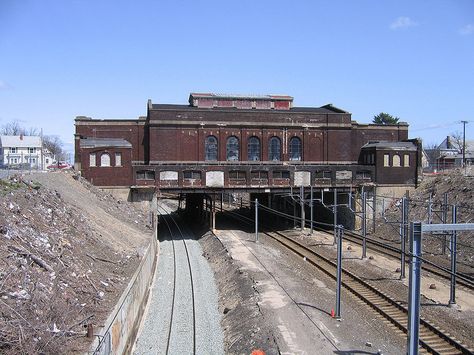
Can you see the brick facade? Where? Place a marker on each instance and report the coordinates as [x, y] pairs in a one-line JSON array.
[[170, 142]]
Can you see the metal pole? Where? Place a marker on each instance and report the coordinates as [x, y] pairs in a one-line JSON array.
[[403, 236], [213, 207], [311, 207], [334, 209], [339, 271], [445, 219], [464, 143], [452, 293], [302, 208], [430, 209], [222, 198], [294, 214], [364, 225], [374, 208], [256, 220], [414, 289]]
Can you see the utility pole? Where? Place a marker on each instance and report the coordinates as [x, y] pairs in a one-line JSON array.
[[464, 143]]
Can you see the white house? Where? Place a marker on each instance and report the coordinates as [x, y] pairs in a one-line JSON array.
[[22, 152]]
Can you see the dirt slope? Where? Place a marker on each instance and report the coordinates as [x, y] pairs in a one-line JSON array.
[[459, 186], [67, 251]]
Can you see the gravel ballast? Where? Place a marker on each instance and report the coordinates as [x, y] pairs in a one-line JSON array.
[[152, 338]]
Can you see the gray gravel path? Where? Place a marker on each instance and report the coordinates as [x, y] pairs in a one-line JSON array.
[[152, 338]]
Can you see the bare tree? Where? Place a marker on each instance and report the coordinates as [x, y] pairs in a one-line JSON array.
[[14, 128], [457, 141], [432, 152], [55, 146]]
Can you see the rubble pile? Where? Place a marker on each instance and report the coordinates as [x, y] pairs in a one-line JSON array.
[[59, 278]]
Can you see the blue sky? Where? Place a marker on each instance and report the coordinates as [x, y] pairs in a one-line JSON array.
[[104, 59]]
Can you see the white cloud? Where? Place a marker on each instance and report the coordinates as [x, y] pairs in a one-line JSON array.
[[402, 22], [467, 30]]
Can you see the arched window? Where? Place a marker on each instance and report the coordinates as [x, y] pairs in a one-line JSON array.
[[211, 148], [295, 148], [253, 149], [396, 160], [105, 159], [274, 149], [232, 148]]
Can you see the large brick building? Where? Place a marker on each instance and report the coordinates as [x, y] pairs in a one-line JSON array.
[[243, 142]]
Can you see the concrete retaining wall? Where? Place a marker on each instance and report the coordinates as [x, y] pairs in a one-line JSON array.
[[120, 330]]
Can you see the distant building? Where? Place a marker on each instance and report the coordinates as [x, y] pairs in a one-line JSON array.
[[21, 151], [448, 155]]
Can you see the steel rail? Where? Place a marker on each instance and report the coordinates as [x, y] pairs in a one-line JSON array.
[[432, 338], [174, 278], [462, 278]]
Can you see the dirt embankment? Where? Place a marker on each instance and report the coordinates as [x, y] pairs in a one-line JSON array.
[[459, 188], [67, 252]]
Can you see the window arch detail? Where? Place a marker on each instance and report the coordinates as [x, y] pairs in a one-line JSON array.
[[105, 159], [232, 148], [396, 160], [253, 149], [274, 149], [295, 148], [211, 148]]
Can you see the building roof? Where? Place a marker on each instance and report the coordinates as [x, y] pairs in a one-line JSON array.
[[323, 109], [104, 142], [21, 141], [385, 145], [209, 95]]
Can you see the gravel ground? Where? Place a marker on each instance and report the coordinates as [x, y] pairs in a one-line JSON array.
[[152, 338], [382, 274], [296, 299]]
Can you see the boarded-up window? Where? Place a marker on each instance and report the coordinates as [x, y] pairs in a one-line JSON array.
[[406, 160], [386, 160], [92, 161], [263, 104], [118, 159], [396, 160], [105, 159]]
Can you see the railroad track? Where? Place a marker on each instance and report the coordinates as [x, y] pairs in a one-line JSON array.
[[462, 279], [432, 339], [178, 338]]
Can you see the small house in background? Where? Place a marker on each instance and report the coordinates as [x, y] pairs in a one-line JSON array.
[[449, 155], [48, 157], [21, 152]]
